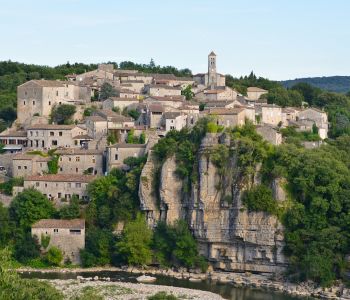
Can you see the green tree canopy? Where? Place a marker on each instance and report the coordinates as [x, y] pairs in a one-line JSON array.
[[62, 114]]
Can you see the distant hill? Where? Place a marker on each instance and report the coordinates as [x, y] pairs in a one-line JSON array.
[[339, 84]]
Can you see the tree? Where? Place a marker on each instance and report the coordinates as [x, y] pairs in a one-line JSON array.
[[134, 113], [142, 138], [54, 256], [30, 206], [5, 226], [187, 92], [62, 114], [134, 245], [72, 210], [26, 247], [107, 91], [13, 287], [259, 198]]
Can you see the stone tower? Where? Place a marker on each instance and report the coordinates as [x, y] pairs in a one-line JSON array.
[[212, 79]]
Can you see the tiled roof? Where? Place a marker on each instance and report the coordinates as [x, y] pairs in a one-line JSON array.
[[166, 98], [156, 108], [96, 119], [223, 111], [51, 127], [31, 157], [76, 151], [164, 86], [82, 137], [61, 178], [8, 133], [125, 145], [50, 83], [123, 99], [53, 223], [171, 114], [256, 89]]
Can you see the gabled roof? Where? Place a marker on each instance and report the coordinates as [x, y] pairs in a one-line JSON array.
[[61, 178], [212, 53], [49, 83], [51, 127], [53, 223], [125, 145], [164, 86], [256, 89], [223, 111], [171, 115], [166, 98]]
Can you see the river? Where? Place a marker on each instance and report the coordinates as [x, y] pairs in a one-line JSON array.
[[225, 290]]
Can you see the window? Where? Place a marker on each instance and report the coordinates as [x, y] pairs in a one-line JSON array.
[[75, 231], [24, 103], [25, 167], [31, 133], [37, 184], [78, 184], [60, 133], [55, 230], [52, 133], [70, 159], [56, 93], [25, 93], [33, 103], [19, 167], [54, 143], [93, 160], [37, 133], [61, 169], [46, 185], [59, 195], [61, 158], [77, 158], [49, 102], [116, 157], [76, 170]]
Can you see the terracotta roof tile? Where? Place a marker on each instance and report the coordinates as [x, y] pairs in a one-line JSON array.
[[53, 223]]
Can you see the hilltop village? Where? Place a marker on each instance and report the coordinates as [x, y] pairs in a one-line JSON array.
[[120, 114]]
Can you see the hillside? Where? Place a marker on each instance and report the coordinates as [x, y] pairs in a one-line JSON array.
[[338, 84]]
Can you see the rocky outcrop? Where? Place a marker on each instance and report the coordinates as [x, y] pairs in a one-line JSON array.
[[170, 192], [147, 193], [232, 238]]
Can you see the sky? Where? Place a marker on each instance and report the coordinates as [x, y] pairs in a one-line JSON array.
[[277, 39]]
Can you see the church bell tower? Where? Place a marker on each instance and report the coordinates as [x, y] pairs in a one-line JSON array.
[[212, 79]]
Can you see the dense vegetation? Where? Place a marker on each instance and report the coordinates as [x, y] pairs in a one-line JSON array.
[[337, 84]]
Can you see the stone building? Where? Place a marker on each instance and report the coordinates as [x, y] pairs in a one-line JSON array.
[[270, 134], [271, 114], [254, 93], [172, 80], [227, 117], [162, 90], [80, 161], [120, 103], [118, 152], [55, 136], [26, 165], [318, 117], [37, 97], [13, 137], [212, 78], [217, 94], [174, 121], [59, 188], [168, 101], [67, 235]]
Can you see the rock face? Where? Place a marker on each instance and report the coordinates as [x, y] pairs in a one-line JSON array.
[[232, 238]]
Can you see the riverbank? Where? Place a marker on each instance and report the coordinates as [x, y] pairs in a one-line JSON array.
[[258, 281], [125, 290]]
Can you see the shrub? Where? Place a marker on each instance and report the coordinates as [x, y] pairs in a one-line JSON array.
[[259, 198], [54, 256]]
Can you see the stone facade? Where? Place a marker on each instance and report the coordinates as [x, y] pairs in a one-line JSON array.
[[54, 136], [174, 121], [80, 161], [59, 188], [162, 90], [25, 165], [318, 117], [226, 117], [37, 97], [67, 235], [254, 93], [118, 152], [271, 114], [121, 103], [270, 134]]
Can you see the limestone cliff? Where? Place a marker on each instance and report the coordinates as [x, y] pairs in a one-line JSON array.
[[232, 238]]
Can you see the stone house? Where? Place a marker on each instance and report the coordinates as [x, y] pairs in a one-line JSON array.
[[168, 101], [270, 134], [162, 90], [104, 72], [67, 235], [289, 114], [172, 80], [254, 93], [127, 93], [117, 102], [227, 117], [217, 94], [80, 161], [118, 152], [54, 136], [222, 104], [37, 97], [133, 75], [317, 116], [133, 85], [105, 121], [26, 165], [174, 121], [13, 137], [271, 114], [151, 116], [58, 188]]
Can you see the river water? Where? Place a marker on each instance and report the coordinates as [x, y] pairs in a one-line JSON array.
[[225, 290]]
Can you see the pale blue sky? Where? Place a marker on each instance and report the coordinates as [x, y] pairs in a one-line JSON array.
[[278, 39]]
